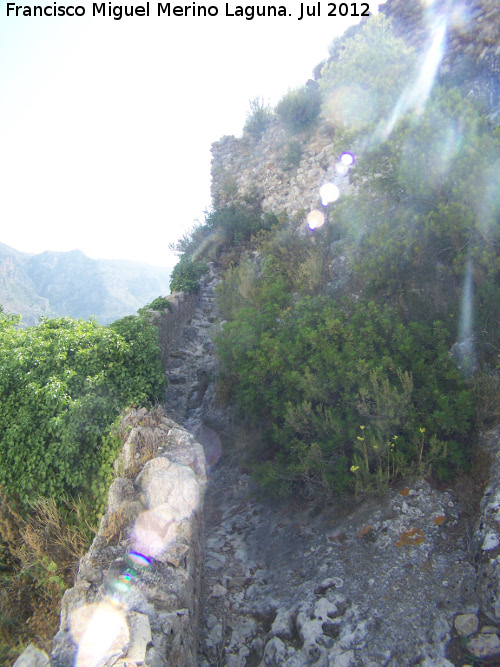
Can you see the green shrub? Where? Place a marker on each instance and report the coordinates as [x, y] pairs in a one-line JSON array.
[[368, 72], [238, 289], [293, 154], [141, 379], [62, 384], [186, 275], [239, 221], [228, 225], [159, 304], [312, 373], [318, 69], [191, 241], [258, 118], [299, 108]]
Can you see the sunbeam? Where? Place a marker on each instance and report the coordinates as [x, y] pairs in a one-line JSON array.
[[417, 92]]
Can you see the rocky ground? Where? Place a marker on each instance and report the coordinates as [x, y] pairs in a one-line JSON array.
[[380, 583], [389, 581]]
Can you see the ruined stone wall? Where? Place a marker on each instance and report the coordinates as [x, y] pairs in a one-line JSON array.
[[240, 166], [137, 592], [266, 166]]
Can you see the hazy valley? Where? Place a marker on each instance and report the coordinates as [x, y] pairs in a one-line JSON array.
[[70, 283]]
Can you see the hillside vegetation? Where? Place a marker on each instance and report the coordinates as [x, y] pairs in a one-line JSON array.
[[357, 347], [339, 338], [63, 384]]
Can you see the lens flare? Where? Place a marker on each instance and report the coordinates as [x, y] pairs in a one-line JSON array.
[[98, 630], [329, 193], [488, 201], [153, 531], [466, 309], [315, 219], [415, 95], [123, 583], [464, 351], [350, 106], [139, 559], [210, 442], [347, 159]]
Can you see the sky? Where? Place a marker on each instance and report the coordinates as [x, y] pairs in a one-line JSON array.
[[106, 125]]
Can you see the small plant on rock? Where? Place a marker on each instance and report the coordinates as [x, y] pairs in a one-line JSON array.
[[258, 118], [299, 108], [159, 304], [293, 155]]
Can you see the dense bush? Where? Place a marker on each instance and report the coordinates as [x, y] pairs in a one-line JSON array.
[[428, 209], [227, 225], [338, 340], [62, 384], [191, 241], [237, 222], [293, 154], [299, 108], [186, 275], [314, 372]]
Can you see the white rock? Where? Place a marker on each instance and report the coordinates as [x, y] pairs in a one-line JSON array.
[[219, 591], [283, 624], [491, 541], [345, 659], [140, 637], [466, 624], [274, 653], [244, 630], [485, 647], [32, 657], [324, 609], [172, 485]]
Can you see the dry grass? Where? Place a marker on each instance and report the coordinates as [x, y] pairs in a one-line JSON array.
[[115, 524], [47, 533], [310, 275], [39, 556], [145, 448]]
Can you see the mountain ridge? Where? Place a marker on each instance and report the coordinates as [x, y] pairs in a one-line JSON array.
[[54, 283]]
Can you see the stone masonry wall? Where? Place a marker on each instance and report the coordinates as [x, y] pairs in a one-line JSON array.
[[136, 596], [239, 165]]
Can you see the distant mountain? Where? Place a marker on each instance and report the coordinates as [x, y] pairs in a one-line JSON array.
[[70, 283]]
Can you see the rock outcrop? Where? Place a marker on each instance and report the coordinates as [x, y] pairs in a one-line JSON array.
[[172, 323], [471, 50]]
